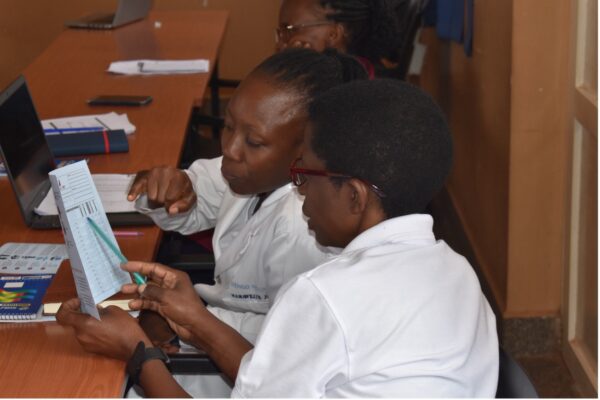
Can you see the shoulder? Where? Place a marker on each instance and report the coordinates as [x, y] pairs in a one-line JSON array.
[[207, 169], [304, 293]]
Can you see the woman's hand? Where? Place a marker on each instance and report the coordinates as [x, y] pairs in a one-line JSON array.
[[170, 293], [158, 330], [166, 187], [115, 336]]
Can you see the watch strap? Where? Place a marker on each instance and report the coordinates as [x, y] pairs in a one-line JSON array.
[[140, 355]]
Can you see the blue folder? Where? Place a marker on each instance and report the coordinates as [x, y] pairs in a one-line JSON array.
[[75, 144]]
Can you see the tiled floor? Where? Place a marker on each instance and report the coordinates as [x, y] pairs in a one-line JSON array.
[[549, 375]]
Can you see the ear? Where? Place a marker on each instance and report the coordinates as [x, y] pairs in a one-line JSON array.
[[336, 37], [357, 196]]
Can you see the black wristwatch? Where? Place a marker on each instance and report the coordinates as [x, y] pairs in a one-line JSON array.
[[140, 355]]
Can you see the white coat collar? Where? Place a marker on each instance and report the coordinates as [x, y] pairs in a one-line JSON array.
[[394, 230], [277, 194], [231, 208]]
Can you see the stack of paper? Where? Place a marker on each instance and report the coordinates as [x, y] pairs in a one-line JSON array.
[[110, 121], [156, 67], [31, 258], [113, 189]]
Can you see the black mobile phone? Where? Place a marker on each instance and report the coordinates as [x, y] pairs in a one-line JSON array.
[[118, 100]]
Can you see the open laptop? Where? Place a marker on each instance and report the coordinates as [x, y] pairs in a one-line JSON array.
[[28, 159], [127, 11]]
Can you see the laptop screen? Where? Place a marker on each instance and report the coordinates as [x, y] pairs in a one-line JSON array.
[[23, 146]]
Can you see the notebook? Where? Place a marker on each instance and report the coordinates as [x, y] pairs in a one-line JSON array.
[[21, 296], [127, 11], [52, 308], [28, 159]]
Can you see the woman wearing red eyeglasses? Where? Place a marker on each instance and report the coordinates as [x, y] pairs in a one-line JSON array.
[[396, 314]]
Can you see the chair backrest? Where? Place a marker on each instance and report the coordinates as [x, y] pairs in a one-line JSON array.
[[513, 382], [409, 14]]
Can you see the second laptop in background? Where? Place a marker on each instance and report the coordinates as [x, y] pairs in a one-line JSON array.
[[127, 11]]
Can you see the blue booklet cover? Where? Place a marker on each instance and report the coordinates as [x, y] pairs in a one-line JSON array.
[[21, 295], [74, 144]]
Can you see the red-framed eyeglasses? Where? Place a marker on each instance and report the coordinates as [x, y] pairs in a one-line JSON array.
[[298, 177]]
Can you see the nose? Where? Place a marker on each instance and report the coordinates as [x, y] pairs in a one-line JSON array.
[[231, 145]]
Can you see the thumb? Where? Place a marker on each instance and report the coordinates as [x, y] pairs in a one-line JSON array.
[[181, 206]]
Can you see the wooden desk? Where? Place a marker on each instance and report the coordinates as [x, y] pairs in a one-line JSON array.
[[44, 359]]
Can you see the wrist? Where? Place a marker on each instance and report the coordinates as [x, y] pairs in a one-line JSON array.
[[132, 343], [202, 328], [142, 354]]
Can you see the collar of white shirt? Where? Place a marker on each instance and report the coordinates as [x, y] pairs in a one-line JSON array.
[[413, 227]]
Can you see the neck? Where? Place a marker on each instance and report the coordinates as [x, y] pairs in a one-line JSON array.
[[261, 199], [371, 217]]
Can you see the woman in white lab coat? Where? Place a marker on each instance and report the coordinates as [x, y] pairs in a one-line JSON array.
[[261, 239]]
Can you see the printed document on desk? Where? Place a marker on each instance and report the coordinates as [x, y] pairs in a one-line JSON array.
[[159, 67], [96, 269], [110, 121], [112, 188]]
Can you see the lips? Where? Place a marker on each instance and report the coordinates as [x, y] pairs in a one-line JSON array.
[[227, 174]]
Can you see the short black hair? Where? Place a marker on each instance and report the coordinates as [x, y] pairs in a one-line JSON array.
[[372, 26], [388, 133], [310, 73]]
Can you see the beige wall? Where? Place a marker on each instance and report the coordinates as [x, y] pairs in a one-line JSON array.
[[475, 92], [27, 27], [540, 127], [508, 112]]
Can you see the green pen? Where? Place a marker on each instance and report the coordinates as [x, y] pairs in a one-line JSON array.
[[139, 279]]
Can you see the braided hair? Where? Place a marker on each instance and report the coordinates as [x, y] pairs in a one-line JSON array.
[[371, 24], [310, 73]]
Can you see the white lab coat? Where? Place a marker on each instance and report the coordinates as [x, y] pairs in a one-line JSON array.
[[254, 253], [397, 314]]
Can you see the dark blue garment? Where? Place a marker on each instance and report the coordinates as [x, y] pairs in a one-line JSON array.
[[448, 17]]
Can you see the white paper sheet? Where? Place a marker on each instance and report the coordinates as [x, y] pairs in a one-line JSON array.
[[31, 258], [159, 67], [96, 269], [112, 188], [110, 121]]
